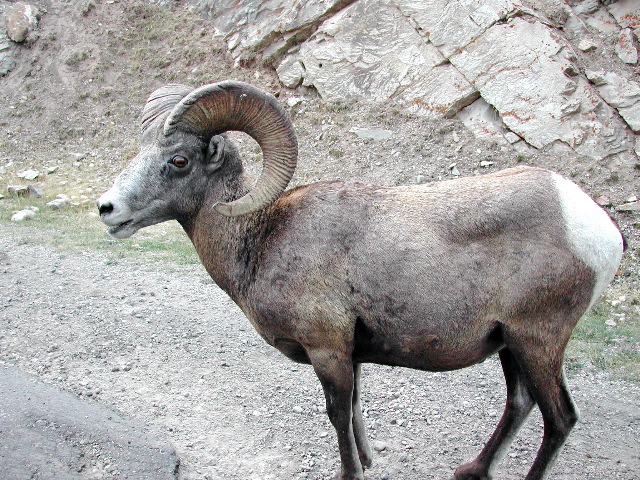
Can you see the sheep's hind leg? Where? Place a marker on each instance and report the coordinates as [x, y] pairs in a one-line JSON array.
[[359, 431], [336, 373], [519, 405], [546, 381]]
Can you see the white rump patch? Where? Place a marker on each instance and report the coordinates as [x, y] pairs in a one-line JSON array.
[[594, 237]]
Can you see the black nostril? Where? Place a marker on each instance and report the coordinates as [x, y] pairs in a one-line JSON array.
[[106, 207]]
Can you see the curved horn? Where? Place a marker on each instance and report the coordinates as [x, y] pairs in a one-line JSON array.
[[231, 105], [161, 102]]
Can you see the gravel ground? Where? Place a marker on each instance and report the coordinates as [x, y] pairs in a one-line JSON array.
[[165, 346]]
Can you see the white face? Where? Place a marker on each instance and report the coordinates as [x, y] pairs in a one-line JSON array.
[[130, 203], [161, 183]]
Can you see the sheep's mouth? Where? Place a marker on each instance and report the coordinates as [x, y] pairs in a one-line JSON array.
[[119, 229]]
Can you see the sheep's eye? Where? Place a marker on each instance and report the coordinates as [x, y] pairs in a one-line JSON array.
[[179, 161]]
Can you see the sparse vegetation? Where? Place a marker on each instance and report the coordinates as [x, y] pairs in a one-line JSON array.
[[77, 229], [608, 340]]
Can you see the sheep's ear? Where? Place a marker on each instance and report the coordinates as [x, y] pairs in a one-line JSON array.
[[215, 153]]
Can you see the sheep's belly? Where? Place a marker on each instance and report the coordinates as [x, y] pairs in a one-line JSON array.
[[426, 351]]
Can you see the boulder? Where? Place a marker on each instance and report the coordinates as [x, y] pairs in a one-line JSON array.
[[366, 51], [626, 48], [29, 174], [290, 72], [21, 20], [602, 21], [23, 215], [7, 61], [484, 121], [627, 14], [621, 94], [35, 191], [435, 58], [440, 92]]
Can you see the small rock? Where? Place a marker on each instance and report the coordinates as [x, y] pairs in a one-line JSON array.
[[454, 171], [485, 163], [291, 72], [298, 409], [633, 198], [511, 137], [57, 204], [379, 446], [384, 476], [376, 135], [23, 215], [587, 45], [294, 101], [631, 207], [17, 190], [603, 201], [29, 175], [420, 179], [611, 323], [35, 191], [51, 170], [625, 48]]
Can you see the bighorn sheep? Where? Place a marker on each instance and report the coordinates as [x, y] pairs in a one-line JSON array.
[[431, 277]]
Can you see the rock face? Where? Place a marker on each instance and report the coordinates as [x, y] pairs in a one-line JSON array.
[[266, 28], [435, 58], [537, 89]]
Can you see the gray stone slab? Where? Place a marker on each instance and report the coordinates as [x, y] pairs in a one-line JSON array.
[[46, 433]]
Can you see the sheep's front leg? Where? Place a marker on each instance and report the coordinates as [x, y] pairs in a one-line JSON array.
[[359, 431], [336, 373]]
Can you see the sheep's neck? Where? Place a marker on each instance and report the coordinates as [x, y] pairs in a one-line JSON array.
[[224, 245]]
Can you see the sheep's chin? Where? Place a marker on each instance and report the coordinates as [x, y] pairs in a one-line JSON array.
[[124, 230]]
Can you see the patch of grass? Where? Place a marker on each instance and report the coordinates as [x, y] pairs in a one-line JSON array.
[[614, 347], [77, 229], [339, 106]]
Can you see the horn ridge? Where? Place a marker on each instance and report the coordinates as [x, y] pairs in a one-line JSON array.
[[232, 105]]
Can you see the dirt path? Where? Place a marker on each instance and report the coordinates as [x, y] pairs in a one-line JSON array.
[[165, 346]]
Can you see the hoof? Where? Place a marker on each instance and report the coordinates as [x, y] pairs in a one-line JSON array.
[[366, 460], [339, 476], [471, 471]]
